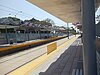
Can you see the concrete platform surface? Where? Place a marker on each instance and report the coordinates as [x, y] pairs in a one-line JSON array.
[[68, 61], [14, 61], [37, 66]]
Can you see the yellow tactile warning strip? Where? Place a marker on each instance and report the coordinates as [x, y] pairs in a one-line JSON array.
[[29, 67], [27, 44]]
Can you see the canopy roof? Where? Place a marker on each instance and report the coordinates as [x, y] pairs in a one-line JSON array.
[[66, 10]]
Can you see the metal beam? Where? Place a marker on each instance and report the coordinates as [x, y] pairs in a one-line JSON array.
[[89, 37]]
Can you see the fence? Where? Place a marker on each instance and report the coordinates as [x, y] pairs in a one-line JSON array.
[[21, 37]]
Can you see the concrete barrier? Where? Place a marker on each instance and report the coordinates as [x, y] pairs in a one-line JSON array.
[[51, 47]]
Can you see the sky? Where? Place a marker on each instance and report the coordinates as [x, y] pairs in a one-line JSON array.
[[25, 10], [98, 13], [28, 11]]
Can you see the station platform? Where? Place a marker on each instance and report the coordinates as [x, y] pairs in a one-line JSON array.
[[65, 60], [69, 62]]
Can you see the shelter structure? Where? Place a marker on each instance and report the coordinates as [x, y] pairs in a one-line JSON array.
[[82, 11]]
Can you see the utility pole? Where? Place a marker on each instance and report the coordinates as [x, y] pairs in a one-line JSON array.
[[68, 30]]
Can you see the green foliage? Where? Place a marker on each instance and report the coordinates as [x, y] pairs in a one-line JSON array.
[[49, 21], [73, 31], [14, 18]]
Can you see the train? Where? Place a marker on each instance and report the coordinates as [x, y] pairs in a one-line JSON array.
[[20, 36]]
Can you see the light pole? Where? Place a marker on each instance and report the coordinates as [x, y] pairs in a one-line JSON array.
[[18, 13], [68, 30], [15, 28]]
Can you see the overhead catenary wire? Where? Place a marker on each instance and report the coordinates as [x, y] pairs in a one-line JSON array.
[[23, 15], [8, 7], [13, 9], [10, 12], [6, 10], [22, 12]]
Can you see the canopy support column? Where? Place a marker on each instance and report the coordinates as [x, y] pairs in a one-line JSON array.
[[89, 37]]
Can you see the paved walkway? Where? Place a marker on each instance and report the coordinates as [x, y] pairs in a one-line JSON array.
[[68, 63], [43, 62], [14, 61], [65, 60]]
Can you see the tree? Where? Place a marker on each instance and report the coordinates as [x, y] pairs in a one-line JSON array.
[[73, 31], [49, 21], [14, 18]]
